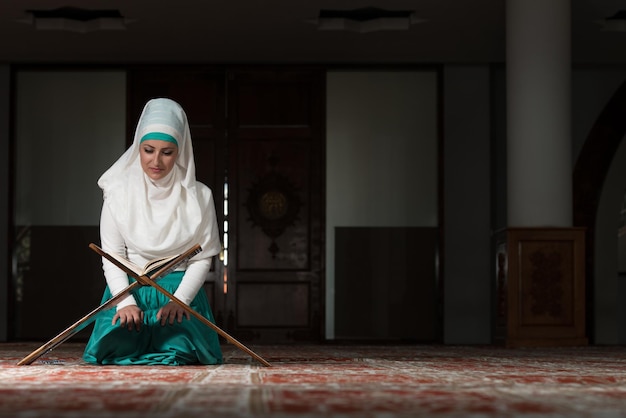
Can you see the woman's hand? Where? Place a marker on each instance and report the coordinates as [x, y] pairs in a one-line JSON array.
[[170, 313], [130, 316]]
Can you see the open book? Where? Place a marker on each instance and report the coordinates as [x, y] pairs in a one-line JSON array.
[[150, 266]]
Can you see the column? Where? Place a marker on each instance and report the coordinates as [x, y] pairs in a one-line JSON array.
[[538, 71], [540, 257]]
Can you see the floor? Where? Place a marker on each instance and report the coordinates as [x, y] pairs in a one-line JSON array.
[[381, 381]]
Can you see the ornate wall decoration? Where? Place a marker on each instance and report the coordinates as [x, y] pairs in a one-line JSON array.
[[546, 283], [273, 204]]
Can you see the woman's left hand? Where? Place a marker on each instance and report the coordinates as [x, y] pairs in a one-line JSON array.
[[170, 313]]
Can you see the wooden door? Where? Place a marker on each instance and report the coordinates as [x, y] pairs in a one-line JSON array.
[[258, 137], [275, 177]]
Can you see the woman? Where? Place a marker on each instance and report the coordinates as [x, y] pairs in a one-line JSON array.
[[153, 207]]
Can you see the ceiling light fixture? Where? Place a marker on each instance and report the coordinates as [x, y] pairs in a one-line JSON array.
[[74, 19], [369, 19]]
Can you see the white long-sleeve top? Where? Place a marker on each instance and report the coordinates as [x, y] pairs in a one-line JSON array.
[[196, 270]]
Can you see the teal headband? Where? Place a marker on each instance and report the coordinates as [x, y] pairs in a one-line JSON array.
[[160, 136]]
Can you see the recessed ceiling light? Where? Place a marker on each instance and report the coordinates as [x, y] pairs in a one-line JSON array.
[[75, 19], [368, 19]]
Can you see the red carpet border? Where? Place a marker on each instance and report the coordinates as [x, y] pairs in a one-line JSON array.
[[343, 381]]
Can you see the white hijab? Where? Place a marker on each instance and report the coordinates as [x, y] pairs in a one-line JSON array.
[[167, 216]]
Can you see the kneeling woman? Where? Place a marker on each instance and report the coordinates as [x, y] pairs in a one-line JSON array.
[[153, 207]]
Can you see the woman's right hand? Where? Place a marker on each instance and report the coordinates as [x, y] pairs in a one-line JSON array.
[[130, 317]]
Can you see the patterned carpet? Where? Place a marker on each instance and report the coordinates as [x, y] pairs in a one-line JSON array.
[[345, 381]]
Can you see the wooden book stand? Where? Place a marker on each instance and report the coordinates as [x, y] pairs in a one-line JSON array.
[[141, 280]]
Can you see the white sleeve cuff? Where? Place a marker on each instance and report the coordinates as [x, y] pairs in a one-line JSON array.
[[192, 281]]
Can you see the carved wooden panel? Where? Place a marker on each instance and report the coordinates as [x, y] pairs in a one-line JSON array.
[[276, 103], [273, 210], [540, 286], [547, 291]]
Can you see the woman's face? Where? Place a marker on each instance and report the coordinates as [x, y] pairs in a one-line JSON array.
[[157, 157]]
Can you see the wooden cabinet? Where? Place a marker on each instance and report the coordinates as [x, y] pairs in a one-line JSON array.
[[540, 287]]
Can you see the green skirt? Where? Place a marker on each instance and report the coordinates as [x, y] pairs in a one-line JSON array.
[[189, 342]]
